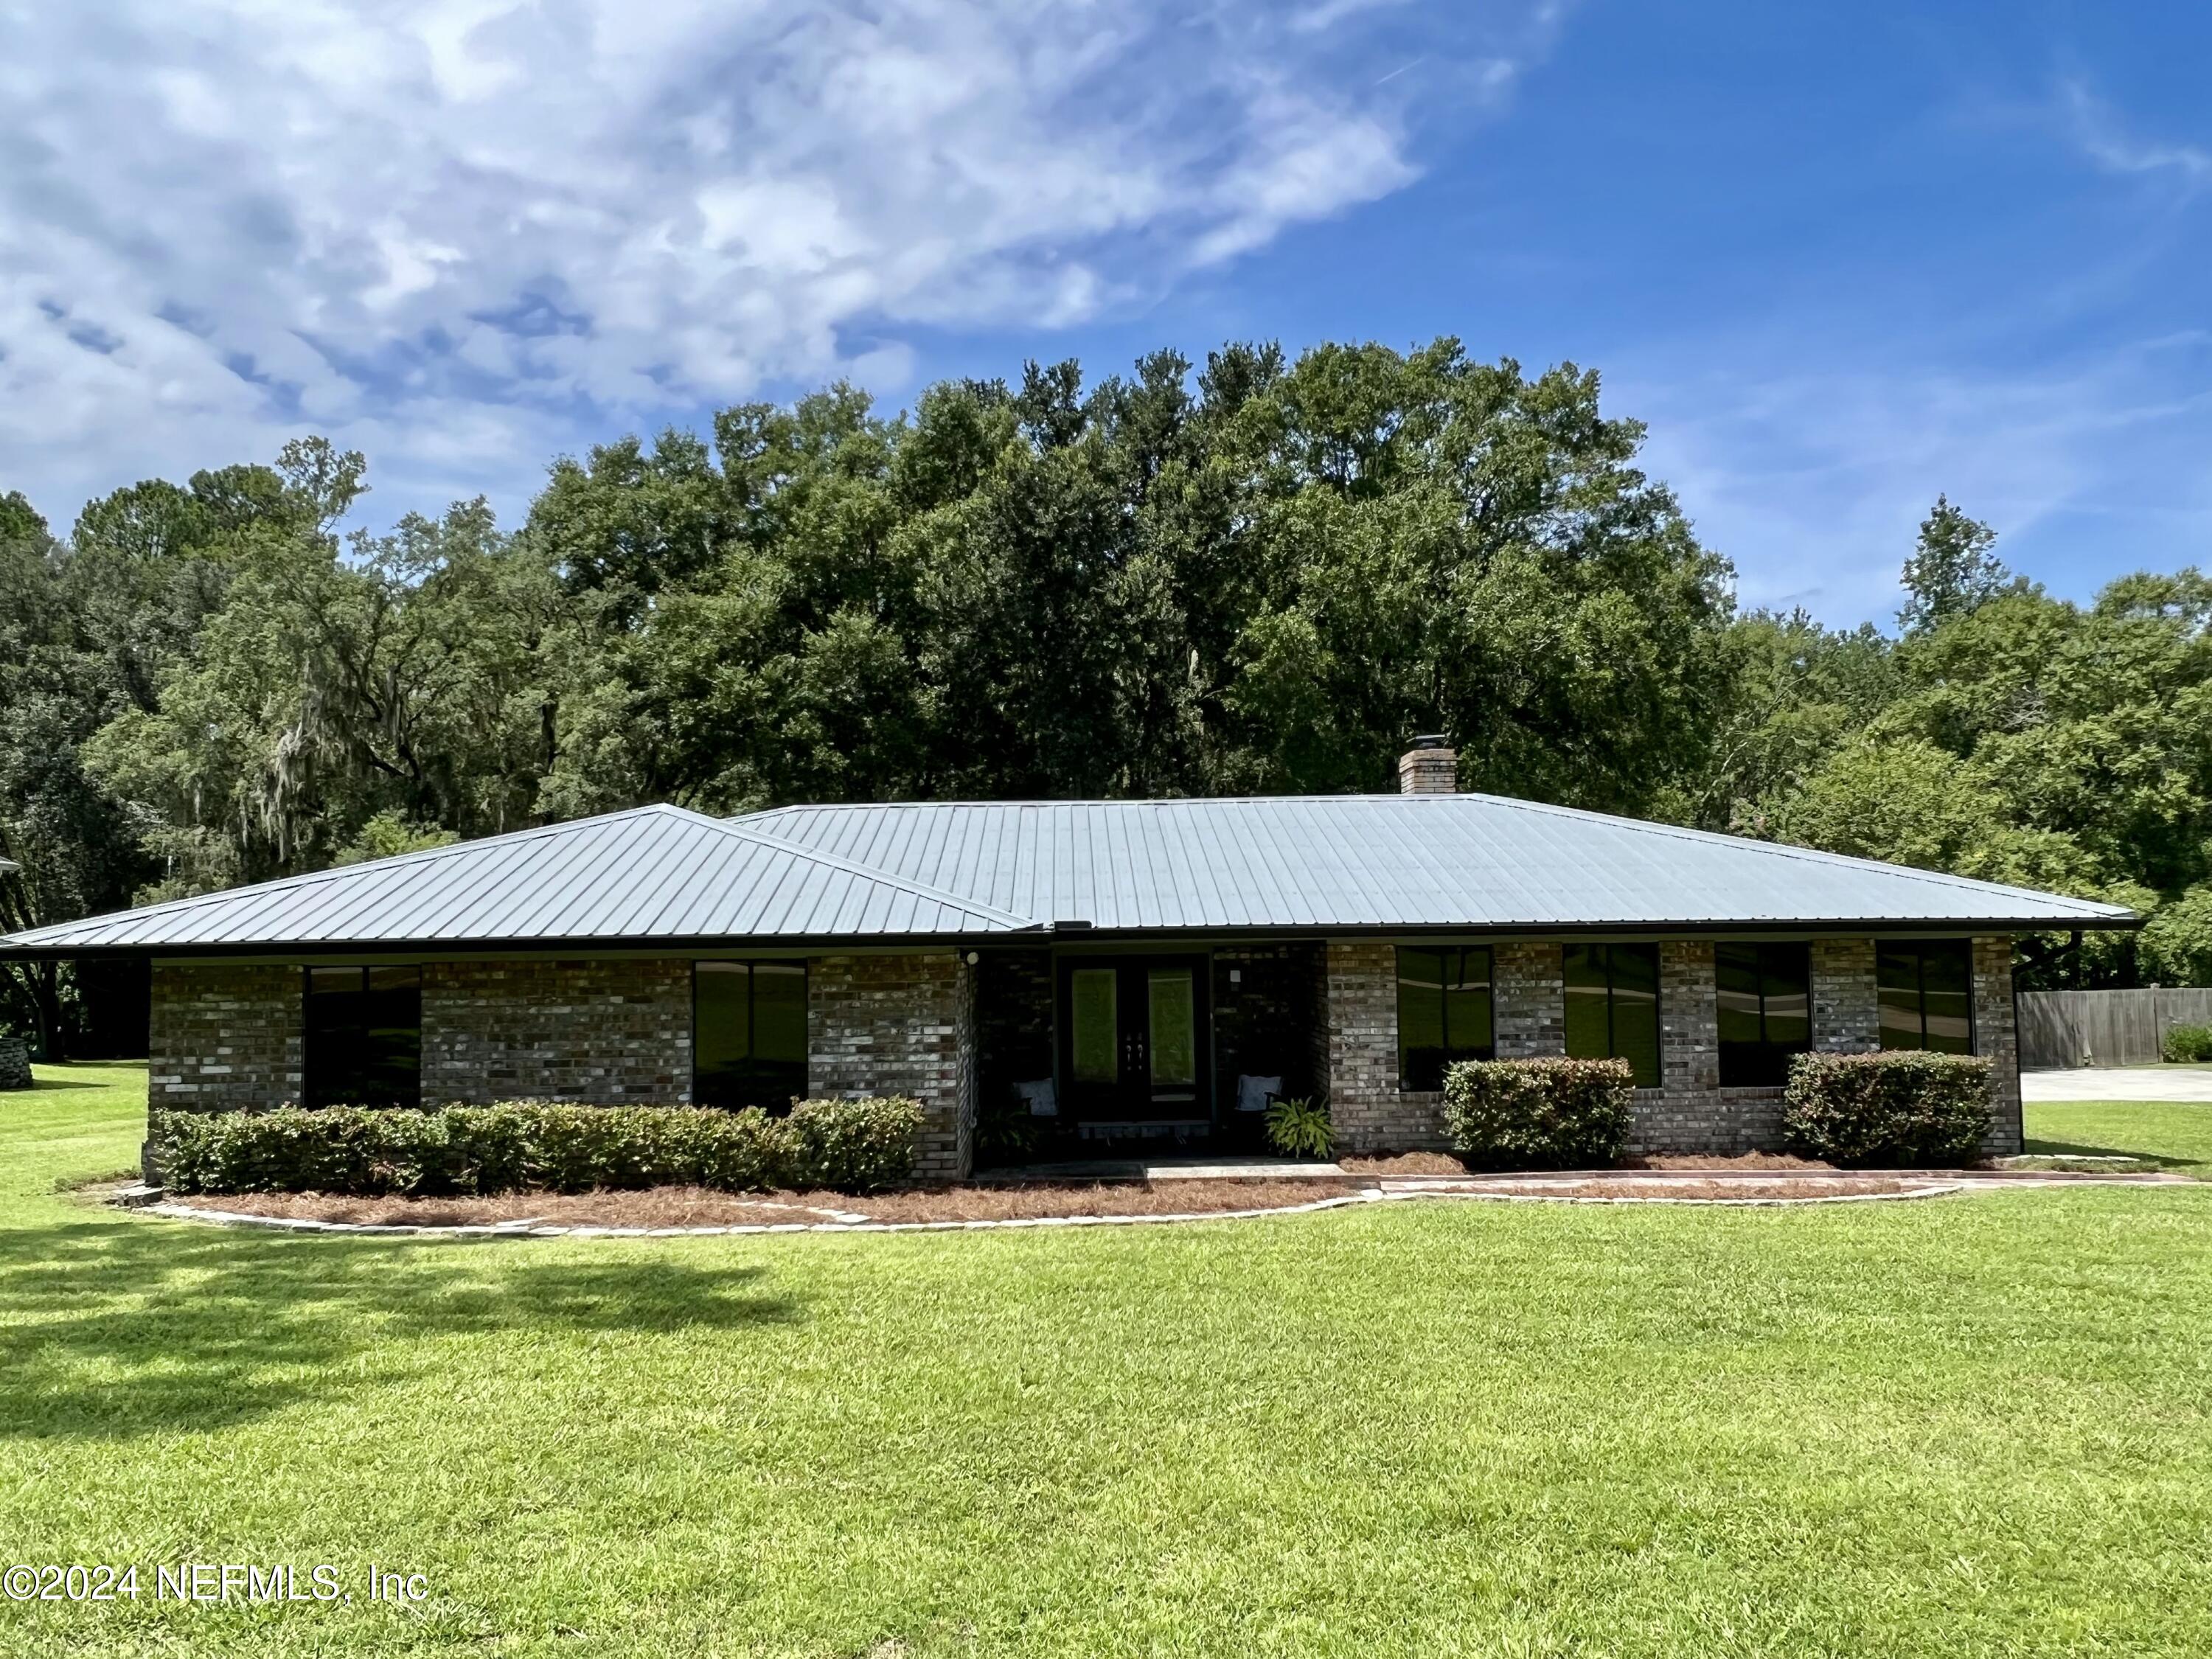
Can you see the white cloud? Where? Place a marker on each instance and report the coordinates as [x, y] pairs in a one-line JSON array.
[[458, 232], [1815, 478], [2100, 134]]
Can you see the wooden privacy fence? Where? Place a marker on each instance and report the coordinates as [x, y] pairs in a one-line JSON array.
[[2105, 1028]]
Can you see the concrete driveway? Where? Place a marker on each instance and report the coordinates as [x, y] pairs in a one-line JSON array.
[[2183, 1083]]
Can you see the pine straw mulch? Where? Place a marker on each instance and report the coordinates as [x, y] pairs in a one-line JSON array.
[[1739, 1190], [702, 1206], [1443, 1163]]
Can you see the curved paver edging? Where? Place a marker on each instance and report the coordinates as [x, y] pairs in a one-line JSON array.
[[850, 1222]]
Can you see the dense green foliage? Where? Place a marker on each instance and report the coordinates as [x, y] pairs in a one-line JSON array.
[[1902, 1109], [847, 1146], [2188, 1044], [1976, 1425], [1547, 1113], [1260, 575]]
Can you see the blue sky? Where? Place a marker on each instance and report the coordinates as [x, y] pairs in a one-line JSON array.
[[1839, 257]]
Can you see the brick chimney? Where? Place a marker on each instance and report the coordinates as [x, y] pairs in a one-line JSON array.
[[1429, 768]]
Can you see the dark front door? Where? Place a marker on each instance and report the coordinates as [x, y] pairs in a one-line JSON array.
[[1132, 1046]]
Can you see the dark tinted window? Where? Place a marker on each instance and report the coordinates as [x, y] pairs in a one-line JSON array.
[[748, 1033], [1612, 1006], [1765, 993], [363, 1035], [1926, 996], [1443, 1012]]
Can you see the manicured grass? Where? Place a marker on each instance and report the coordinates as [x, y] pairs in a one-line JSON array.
[[1974, 1426], [2176, 1135]]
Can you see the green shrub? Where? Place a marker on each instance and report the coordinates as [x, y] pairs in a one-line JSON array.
[[1301, 1128], [1545, 1114], [2188, 1043], [1904, 1108], [852, 1146]]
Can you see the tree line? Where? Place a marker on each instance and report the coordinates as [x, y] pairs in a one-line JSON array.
[[1255, 576]]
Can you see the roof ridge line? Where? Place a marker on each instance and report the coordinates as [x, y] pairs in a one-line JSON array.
[[854, 866]]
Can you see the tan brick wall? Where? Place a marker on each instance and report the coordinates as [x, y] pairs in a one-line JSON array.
[[899, 1025], [609, 1033], [1996, 1036], [1368, 1110], [1689, 1111], [223, 1037]]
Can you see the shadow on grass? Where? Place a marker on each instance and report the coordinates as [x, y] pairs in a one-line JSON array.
[[115, 1328], [2074, 1149]]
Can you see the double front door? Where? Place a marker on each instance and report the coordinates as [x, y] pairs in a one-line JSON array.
[[1133, 1039]]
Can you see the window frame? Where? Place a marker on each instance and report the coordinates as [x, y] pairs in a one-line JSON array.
[[1606, 950], [755, 1089], [355, 1049], [1406, 1082], [1760, 1054], [1919, 949]]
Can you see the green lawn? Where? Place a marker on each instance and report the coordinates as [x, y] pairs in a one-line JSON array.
[[2175, 1135], [1970, 1426]]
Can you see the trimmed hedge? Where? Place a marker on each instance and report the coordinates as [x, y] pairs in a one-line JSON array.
[[1904, 1108], [525, 1146], [2186, 1043], [1539, 1114]]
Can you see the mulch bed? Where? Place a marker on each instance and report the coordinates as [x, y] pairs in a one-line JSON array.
[[1737, 1189], [701, 1206], [1404, 1164], [1443, 1163]]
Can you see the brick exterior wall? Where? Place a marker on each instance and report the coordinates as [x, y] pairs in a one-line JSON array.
[[1371, 1112], [604, 1033], [1844, 1014], [894, 1025], [219, 1038], [1529, 1000], [1996, 1036], [1689, 1111]]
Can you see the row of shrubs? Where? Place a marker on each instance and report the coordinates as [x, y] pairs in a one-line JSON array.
[[1896, 1109], [530, 1146]]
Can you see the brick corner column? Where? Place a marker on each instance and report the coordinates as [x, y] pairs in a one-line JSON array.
[[1996, 1036]]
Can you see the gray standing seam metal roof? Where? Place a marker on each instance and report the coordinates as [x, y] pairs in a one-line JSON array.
[[1337, 863], [656, 872], [1349, 861]]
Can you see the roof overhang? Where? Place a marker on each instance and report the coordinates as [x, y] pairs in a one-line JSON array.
[[1033, 937]]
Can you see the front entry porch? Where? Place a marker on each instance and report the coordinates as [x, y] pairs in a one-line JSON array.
[[1086, 1055]]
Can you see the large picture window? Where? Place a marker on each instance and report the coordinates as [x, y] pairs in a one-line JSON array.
[[1927, 994], [1443, 1012], [1612, 1006], [1765, 996], [363, 1037], [748, 1033]]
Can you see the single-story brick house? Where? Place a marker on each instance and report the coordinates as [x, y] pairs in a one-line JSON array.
[[1081, 976]]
